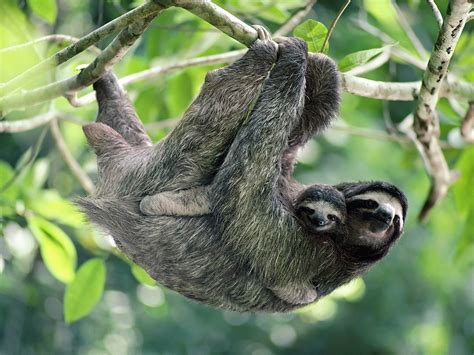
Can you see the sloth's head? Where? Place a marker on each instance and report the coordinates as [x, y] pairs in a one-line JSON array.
[[376, 214], [321, 209]]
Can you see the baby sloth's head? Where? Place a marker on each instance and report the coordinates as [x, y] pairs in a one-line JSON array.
[[321, 209]]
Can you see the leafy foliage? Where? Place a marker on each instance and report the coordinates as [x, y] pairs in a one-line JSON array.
[[314, 33], [83, 293], [57, 250], [359, 58]]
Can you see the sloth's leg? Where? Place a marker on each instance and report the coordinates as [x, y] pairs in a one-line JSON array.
[[245, 184], [321, 106], [116, 111], [192, 153]]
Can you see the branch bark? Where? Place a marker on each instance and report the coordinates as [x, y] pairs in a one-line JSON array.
[[219, 18], [426, 123], [26, 124]]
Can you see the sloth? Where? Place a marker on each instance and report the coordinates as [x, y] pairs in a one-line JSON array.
[[259, 248]]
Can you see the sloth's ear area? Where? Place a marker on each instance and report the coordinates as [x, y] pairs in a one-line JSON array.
[[103, 139]]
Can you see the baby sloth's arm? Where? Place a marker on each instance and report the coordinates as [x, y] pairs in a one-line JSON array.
[[189, 202]]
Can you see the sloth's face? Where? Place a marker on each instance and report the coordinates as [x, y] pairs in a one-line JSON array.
[[321, 209], [374, 217]]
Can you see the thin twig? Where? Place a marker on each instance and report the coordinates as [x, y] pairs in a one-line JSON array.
[[334, 23], [397, 51], [467, 125], [470, 16], [113, 53], [219, 18], [26, 124], [295, 19], [456, 106], [409, 31], [375, 63], [370, 133], [426, 123], [436, 12], [59, 38], [68, 158]]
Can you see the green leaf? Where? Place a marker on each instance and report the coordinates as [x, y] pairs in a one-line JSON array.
[[57, 250], [359, 58], [85, 291], [142, 276], [46, 9], [314, 33], [40, 173], [6, 174]]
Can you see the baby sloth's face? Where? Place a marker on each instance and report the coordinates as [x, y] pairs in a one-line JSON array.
[[322, 210]]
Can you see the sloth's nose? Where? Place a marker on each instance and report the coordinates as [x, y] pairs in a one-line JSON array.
[[385, 213], [319, 219]]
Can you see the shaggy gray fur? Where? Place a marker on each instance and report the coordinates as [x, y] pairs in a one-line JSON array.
[[251, 253]]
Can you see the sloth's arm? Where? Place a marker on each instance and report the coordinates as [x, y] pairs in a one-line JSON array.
[[195, 149], [245, 188], [190, 202]]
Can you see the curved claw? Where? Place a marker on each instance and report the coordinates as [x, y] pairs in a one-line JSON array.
[[262, 33]]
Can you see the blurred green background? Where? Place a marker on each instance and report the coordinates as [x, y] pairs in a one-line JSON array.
[[419, 300]]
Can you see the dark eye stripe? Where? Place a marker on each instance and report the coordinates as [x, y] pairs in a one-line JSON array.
[[368, 204]]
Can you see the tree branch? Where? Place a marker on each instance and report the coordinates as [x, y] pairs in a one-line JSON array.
[[59, 38], [409, 31], [397, 51], [113, 53], [406, 91], [358, 86], [147, 9], [375, 63], [426, 124], [26, 124], [68, 158], [219, 18]]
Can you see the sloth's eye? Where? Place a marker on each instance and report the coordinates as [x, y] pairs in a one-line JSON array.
[[333, 218], [396, 220], [371, 204]]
